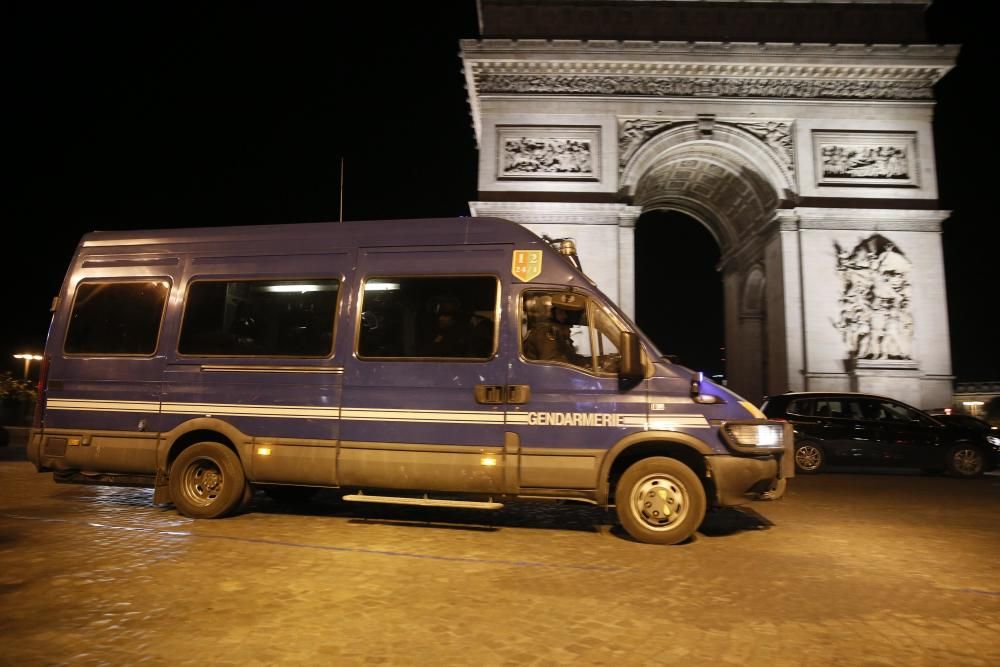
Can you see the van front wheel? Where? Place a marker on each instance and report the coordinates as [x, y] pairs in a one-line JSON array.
[[660, 501], [207, 481]]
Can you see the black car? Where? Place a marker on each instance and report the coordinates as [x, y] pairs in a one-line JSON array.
[[965, 421], [839, 428]]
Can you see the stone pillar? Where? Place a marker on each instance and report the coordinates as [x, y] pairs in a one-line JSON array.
[[626, 259], [594, 227], [870, 303]]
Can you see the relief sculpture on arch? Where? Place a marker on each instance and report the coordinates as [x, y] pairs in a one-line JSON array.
[[875, 307]]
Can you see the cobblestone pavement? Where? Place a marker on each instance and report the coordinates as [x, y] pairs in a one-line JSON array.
[[847, 569]]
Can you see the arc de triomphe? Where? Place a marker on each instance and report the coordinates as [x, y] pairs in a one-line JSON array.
[[799, 134]]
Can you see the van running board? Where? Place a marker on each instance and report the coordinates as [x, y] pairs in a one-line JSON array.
[[423, 502]]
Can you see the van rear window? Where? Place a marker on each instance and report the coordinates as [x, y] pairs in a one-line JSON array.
[[428, 318], [259, 318], [116, 317]]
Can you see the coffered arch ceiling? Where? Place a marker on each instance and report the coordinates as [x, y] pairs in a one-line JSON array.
[[712, 181]]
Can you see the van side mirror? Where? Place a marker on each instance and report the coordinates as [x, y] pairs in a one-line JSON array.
[[632, 369]]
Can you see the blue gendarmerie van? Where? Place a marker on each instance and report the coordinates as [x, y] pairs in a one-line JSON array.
[[445, 362]]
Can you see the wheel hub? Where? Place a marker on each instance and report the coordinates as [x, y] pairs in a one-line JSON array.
[[807, 457], [206, 482], [967, 461], [659, 502]]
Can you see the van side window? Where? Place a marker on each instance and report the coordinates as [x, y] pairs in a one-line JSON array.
[[259, 318], [116, 317], [567, 327], [428, 318]]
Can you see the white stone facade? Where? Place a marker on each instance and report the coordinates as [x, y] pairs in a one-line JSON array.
[[786, 153]]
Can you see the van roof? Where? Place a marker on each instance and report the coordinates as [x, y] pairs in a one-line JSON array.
[[413, 232]]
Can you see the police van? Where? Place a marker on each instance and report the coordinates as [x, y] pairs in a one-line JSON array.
[[386, 359]]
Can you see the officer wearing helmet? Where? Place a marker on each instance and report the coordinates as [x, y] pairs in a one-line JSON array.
[[549, 340]]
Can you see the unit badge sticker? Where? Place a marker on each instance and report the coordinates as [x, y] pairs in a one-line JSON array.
[[526, 265]]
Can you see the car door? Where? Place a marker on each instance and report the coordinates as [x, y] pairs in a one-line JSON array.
[[424, 389], [256, 350], [908, 437], [106, 378], [847, 437], [566, 405]]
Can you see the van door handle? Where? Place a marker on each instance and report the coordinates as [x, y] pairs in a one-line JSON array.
[[518, 393], [489, 394]]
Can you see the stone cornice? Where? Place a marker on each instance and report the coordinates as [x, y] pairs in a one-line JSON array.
[[739, 70], [553, 212], [637, 52], [706, 80], [876, 220]]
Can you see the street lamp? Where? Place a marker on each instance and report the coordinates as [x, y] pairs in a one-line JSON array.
[[28, 358]]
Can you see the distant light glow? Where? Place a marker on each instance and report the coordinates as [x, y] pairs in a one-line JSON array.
[[301, 289], [381, 287]]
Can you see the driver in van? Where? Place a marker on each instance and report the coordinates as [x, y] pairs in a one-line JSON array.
[[549, 339]]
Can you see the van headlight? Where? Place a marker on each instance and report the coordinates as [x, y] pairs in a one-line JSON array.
[[756, 437]]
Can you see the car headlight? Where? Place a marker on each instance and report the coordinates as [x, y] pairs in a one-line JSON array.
[[755, 436]]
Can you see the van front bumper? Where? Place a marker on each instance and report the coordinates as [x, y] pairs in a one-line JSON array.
[[737, 479]]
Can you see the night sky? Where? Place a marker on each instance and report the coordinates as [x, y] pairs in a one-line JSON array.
[[154, 114]]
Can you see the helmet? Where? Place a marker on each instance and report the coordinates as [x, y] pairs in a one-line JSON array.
[[569, 301]]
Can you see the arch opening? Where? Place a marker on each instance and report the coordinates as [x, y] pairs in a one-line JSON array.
[[679, 290]]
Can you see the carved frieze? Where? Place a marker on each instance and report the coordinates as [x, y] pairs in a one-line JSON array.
[[875, 312], [778, 137], [705, 86], [634, 132], [547, 152], [846, 158]]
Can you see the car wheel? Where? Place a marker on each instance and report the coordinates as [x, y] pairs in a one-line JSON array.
[[660, 501], [207, 481], [965, 460], [809, 457]]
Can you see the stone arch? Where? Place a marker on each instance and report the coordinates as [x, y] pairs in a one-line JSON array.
[[727, 179]]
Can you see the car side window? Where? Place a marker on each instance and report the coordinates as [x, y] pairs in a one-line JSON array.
[[260, 318], [899, 413], [116, 318], [801, 406], [409, 318], [568, 328], [826, 407], [870, 410], [853, 410]]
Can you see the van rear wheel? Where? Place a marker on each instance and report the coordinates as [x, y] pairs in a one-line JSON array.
[[660, 501], [207, 481]]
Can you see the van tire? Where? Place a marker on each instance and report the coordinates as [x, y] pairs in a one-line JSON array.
[[207, 481], [660, 501]]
